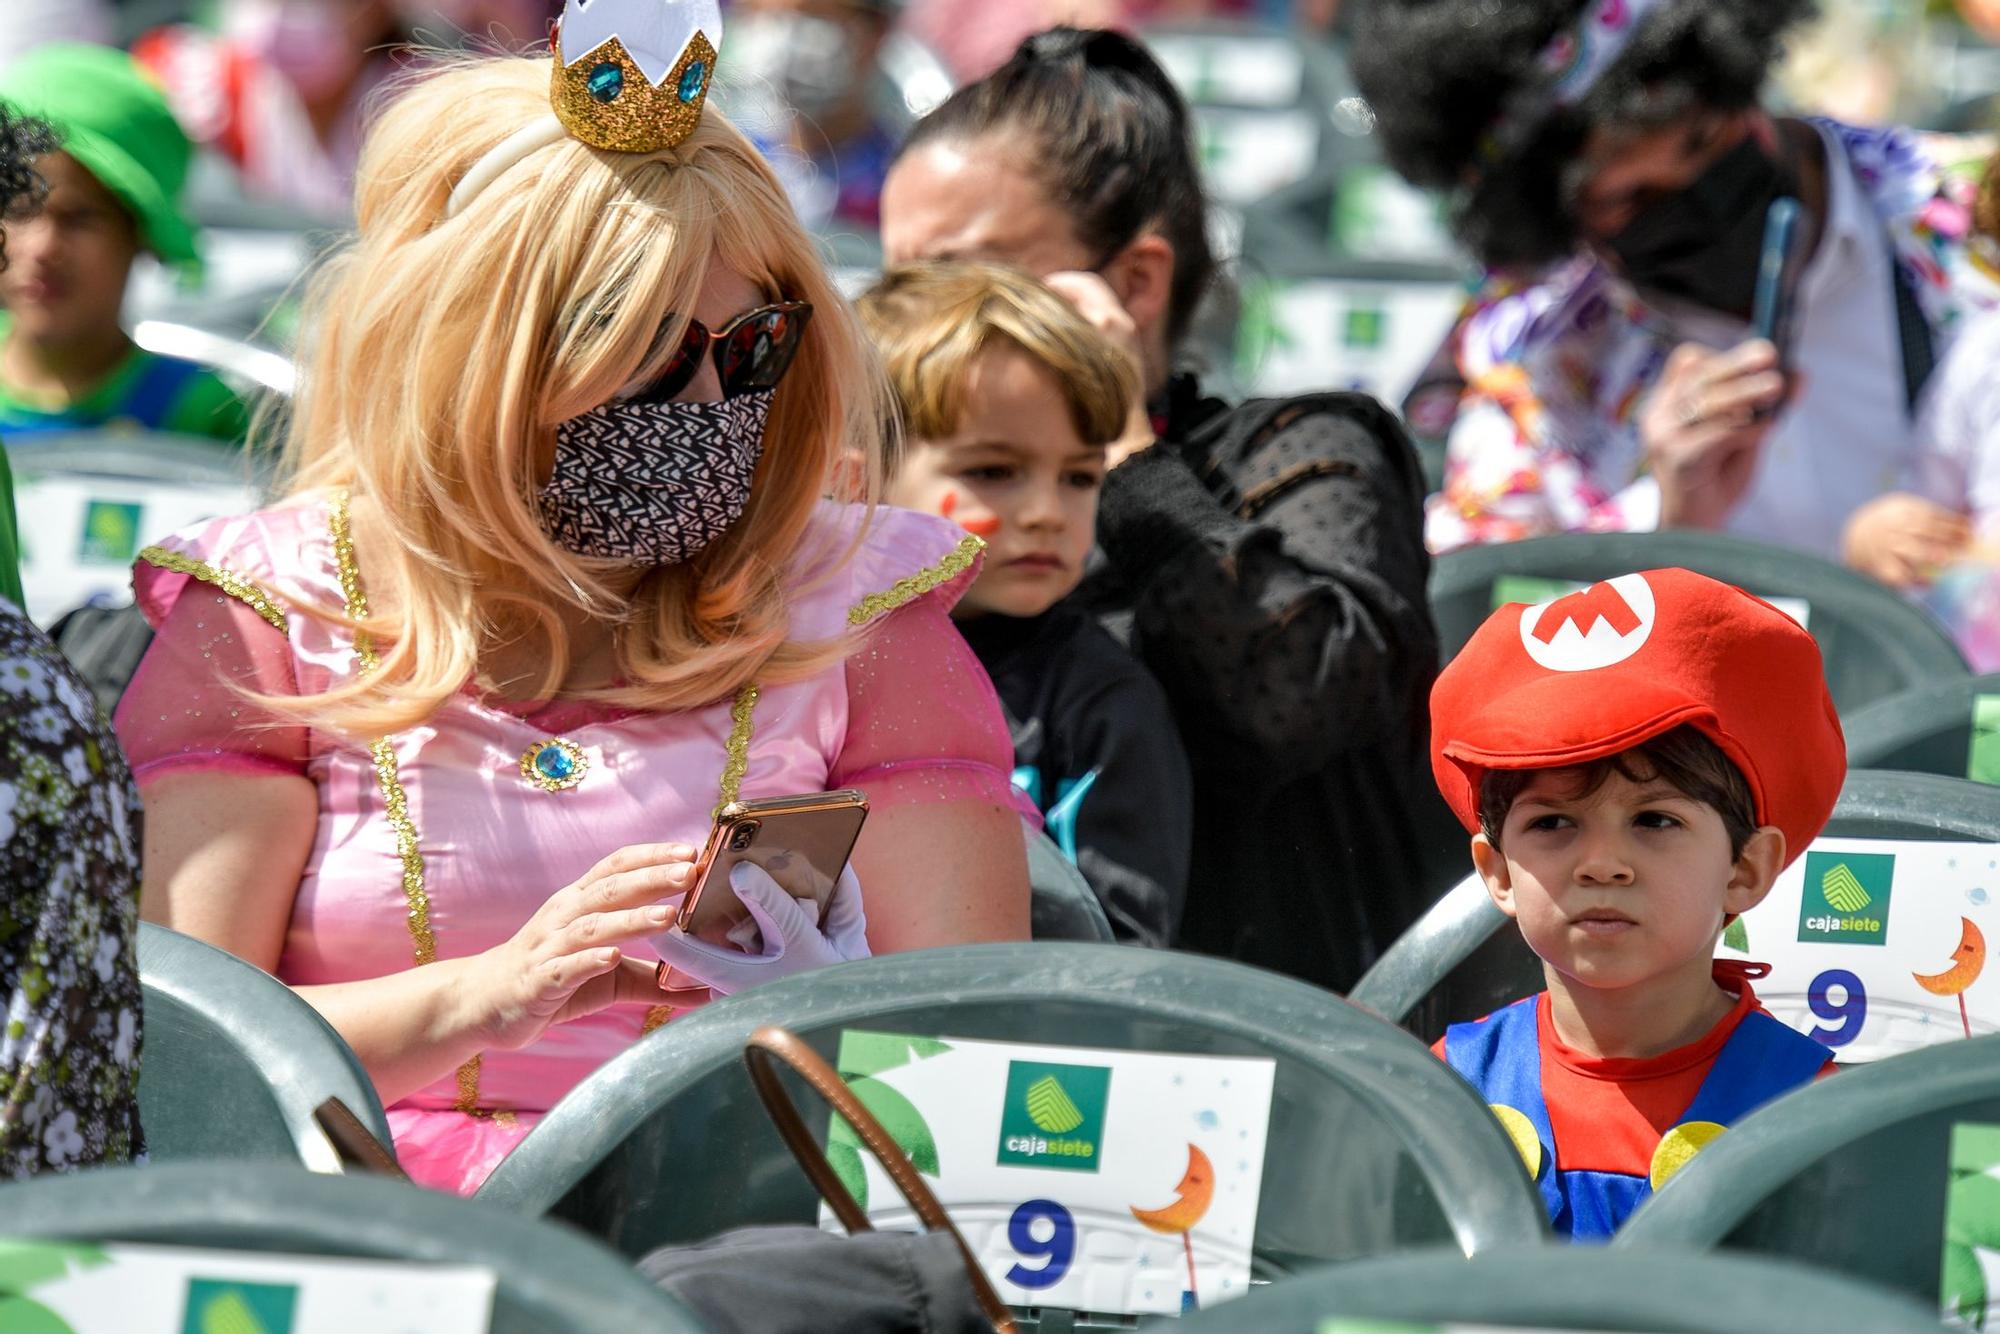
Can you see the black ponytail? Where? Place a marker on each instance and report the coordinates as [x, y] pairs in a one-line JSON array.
[[1104, 129]]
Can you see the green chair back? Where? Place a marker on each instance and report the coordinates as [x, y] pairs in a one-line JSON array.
[[1063, 906], [551, 1280], [1457, 963], [1849, 1173], [1951, 728], [1566, 1288], [1374, 1144], [232, 1062], [1875, 643]]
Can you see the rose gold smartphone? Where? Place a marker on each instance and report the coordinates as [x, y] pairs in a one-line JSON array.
[[803, 842]]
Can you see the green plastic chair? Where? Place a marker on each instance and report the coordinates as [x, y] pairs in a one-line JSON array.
[[1374, 1143], [551, 1280], [232, 1062], [1062, 905], [1457, 963], [1875, 642], [1944, 729], [1563, 1287], [1848, 1173]]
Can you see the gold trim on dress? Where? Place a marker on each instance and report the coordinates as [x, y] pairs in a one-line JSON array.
[[354, 601], [246, 591], [737, 747], [907, 590]]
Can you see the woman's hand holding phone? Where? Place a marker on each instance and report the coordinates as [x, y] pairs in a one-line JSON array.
[[792, 939], [566, 963]]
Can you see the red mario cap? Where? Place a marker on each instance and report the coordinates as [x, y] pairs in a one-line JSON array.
[[1596, 672]]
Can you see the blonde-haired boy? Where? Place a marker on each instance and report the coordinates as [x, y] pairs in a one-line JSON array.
[[1009, 400]]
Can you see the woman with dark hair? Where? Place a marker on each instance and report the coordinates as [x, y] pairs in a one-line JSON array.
[[1265, 561], [1611, 163], [69, 866]]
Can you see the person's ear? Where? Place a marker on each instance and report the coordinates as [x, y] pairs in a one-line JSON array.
[[1142, 277], [1491, 863], [1756, 870]]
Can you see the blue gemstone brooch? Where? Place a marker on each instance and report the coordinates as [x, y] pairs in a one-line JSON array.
[[554, 765]]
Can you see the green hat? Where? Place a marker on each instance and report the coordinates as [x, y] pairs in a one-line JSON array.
[[114, 120]]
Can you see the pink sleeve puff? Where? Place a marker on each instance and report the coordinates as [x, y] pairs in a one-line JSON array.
[[220, 634], [923, 722]]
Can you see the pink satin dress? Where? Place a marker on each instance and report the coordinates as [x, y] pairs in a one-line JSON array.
[[441, 841]]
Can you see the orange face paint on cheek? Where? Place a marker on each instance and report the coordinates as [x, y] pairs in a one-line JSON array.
[[977, 527]]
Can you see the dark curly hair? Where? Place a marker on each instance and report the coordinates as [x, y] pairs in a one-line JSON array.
[[1106, 133], [21, 190], [1440, 72]]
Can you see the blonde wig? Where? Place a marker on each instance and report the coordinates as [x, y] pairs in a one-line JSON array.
[[443, 353], [931, 322]]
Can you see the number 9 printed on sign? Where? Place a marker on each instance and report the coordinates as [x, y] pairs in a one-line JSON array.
[[1878, 946], [1082, 1179]]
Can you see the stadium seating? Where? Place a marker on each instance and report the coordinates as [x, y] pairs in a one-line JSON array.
[[233, 1062], [1932, 729], [1456, 964], [551, 1281], [1565, 1288], [1874, 641], [1373, 1144], [1062, 906], [1849, 1173]]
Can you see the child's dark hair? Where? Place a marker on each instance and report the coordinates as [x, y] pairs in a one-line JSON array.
[[21, 190], [1103, 128], [1683, 758], [1439, 74]]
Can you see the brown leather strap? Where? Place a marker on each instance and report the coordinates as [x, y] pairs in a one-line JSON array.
[[354, 1143], [771, 1042]]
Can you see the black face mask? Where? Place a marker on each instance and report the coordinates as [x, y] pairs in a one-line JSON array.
[[1704, 244]]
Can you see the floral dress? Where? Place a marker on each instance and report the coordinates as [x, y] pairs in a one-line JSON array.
[[69, 907]]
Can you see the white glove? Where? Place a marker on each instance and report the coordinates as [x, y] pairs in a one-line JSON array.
[[793, 942]]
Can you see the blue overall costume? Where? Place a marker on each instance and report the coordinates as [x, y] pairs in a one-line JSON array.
[[147, 405], [1501, 1056]]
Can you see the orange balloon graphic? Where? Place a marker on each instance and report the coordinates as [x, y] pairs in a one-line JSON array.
[[1196, 1192], [1967, 961]]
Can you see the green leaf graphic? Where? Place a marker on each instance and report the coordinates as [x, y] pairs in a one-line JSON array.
[[865, 1053], [1050, 1108], [1843, 891], [29, 1264], [899, 1116], [1964, 1287], [845, 1160], [18, 1315], [1736, 937]]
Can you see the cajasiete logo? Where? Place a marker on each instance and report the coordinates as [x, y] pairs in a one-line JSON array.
[[1846, 898], [1054, 1115], [1601, 626]]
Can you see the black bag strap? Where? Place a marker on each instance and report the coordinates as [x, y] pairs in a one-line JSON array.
[[1913, 331]]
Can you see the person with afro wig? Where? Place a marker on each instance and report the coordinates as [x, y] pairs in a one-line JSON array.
[[1612, 164]]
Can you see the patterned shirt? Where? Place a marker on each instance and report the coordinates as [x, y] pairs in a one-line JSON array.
[[69, 909]]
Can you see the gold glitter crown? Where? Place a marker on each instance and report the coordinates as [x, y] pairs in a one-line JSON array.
[[632, 76]]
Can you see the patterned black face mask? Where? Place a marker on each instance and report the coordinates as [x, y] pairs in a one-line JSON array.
[[653, 483]]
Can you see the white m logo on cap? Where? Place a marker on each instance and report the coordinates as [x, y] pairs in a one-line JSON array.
[[1602, 625]]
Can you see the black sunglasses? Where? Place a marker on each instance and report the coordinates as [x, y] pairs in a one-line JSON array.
[[752, 352]]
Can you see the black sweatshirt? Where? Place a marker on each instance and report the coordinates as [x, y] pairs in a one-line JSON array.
[[1267, 564], [1094, 745]]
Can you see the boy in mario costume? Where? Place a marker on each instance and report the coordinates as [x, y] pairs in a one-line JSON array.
[[1637, 762]]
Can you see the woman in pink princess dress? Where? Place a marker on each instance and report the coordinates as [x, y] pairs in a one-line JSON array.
[[434, 739]]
